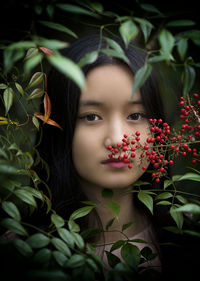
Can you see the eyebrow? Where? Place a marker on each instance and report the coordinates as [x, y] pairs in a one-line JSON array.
[[98, 103]]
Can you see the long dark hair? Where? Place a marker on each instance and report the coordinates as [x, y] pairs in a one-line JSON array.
[[56, 145]]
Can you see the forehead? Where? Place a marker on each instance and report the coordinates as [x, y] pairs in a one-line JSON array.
[[109, 83]]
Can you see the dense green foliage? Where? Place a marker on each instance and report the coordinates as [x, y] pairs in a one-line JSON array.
[[172, 43]]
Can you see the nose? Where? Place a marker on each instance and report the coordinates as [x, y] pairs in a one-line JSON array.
[[114, 133]]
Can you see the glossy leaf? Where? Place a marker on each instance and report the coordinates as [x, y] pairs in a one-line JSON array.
[[109, 223], [178, 217], [11, 209], [81, 212], [14, 226], [150, 8], [146, 199], [163, 195], [26, 197], [74, 227], [19, 88], [128, 31], [182, 47], [141, 76], [66, 236], [35, 122], [131, 255], [7, 169], [60, 258], [166, 40], [38, 240], [114, 53], [190, 207], [32, 62], [75, 9], [49, 121], [113, 260], [23, 247], [118, 244], [69, 68], [57, 220], [187, 176], [8, 97], [3, 86], [35, 94], [61, 246], [78, 240], [114, 208], [127, 225], [75, 260], [59, 27], [189, 78], [180, 22], [42, 256], [88, 58], [36, 79]]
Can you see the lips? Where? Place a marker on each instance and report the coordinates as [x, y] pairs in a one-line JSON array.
[[115, 163]]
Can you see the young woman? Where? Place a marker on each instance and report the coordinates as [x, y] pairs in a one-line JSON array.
[[92, 120]]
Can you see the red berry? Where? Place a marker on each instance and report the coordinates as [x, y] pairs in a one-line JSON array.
[[109, 147], [193, 161], [125, 135], [143, 168], [146, 147], [137, 138], [157, 180], [130, 166], [162, 170], [132, 155], [195, 95], [171, 162], [124, 148], [137, 133]]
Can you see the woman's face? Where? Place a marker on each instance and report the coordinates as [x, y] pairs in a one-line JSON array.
[[106, 112]]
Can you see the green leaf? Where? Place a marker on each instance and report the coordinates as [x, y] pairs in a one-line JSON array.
[[166, 40], [23, 247], [42, 256], [109, 223], [66, 236], [36, 122], [187, 176], [81, 212], [188, 79], [75, 261], [26, 197], [60, 258], [178, 217], [190, 207], [164, 203], [37, 93], [141, 76], [21, 45], [164, 195], [113, 260], [75, 9], [88, 58], [114, 208], [118, 244], [38, 240], [97, 6], [107, 193], [145, 26], [19, 88], [78, 240], [36, 79], [150, 8], [146, 199], [57, 220], [8, 97], [61, 246], [127, 225], [36, 193], [167, 183], [182, 47], [114, 53], [131, 255], [14, 226], [114, 45], [3, 86], [32, 62], [69, 68], [176, 23], [128, 31], [59, 27], [74, 227], [11, 209]]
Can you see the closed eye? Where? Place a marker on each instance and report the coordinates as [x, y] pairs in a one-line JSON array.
[[136, 116], [90, 117]]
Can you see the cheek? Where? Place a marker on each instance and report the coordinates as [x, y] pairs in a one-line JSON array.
[[83, 147]]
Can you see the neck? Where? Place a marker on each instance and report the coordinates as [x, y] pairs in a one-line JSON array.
[[128, 213]]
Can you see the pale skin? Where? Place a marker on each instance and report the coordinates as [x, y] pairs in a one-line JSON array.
[[106, 113]]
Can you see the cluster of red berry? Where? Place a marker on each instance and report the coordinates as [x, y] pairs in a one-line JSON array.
[[166, 143]]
